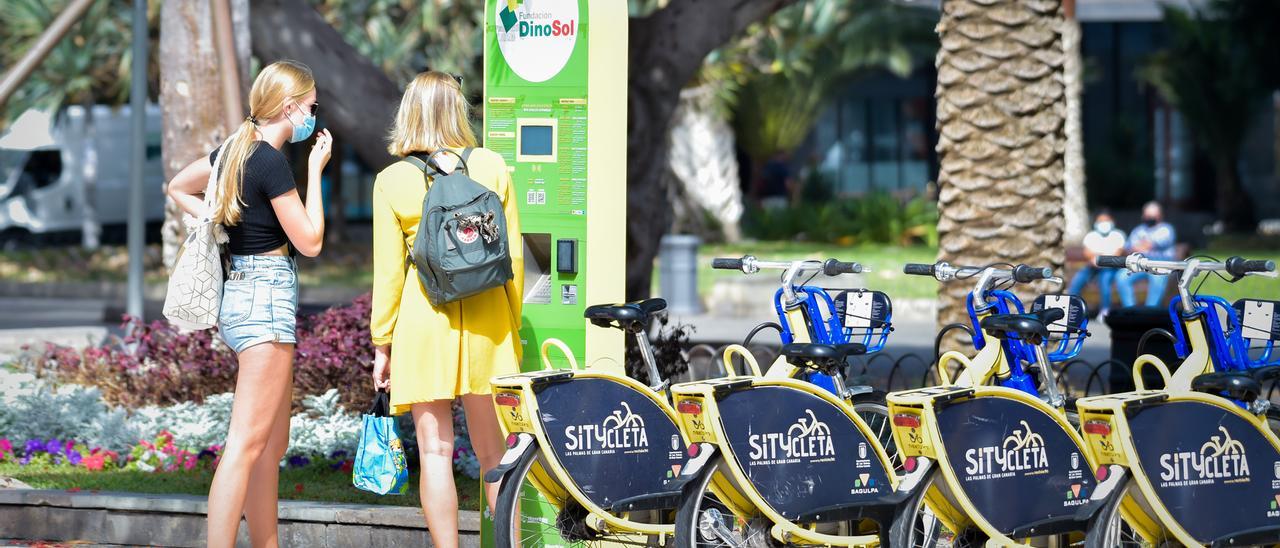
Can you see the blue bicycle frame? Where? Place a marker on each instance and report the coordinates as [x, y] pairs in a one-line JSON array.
[[1015, 350], [1229, 349], [825, 327]]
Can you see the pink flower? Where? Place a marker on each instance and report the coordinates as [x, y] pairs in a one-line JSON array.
[[95, 461]]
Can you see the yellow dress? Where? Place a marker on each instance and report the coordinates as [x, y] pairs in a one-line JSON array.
[[440, 353]]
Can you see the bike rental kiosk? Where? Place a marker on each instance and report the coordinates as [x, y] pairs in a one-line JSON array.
[[555, 108]]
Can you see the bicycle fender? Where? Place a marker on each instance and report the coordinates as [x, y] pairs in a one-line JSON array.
[[525, 447], [694, 467], [1107, 489]]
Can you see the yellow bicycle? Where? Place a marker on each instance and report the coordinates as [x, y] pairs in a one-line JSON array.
[[778, 460], [792, 455], [1196, 462], [1010, 467], [593, 456]]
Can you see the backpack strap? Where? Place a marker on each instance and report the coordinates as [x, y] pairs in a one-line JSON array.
[[462, 160], [416, 162]]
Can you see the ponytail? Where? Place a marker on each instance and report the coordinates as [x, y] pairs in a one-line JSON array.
[[278, 81], [231, 178]]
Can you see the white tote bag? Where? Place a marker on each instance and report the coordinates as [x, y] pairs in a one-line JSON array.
[[195, 285]]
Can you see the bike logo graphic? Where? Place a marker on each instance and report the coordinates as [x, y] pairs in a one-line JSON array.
[[622, 431], [1075, 461], [1021, 452], [862, 450], [808, 439], [1277, 469], [1220, 458], [675, 442]]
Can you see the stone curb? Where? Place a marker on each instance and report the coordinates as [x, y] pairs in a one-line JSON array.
[[178, 520]]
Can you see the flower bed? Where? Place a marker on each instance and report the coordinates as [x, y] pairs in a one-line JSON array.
[[71, 425], [158, 364]]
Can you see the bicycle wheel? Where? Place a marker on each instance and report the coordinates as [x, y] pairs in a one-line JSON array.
[[873, 409], [542, 525], [702, 520], [922, 528], [1113, 531]]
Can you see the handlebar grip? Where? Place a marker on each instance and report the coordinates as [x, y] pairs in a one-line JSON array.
[[834, 268], [1110, 261], [1023, 273], [726, 264], [916, 269], [1239, 266]]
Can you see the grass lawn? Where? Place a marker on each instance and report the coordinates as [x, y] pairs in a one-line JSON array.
[[1254, 287], [886, 266], [348, 265], [315, 482], [884, 261]]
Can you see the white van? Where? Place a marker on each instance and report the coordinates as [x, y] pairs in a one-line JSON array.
[[43, 162]]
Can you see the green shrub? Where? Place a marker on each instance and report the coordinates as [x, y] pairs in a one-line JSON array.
[[875, 217]]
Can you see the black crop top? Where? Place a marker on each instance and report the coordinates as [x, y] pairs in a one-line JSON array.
[[266, 176]]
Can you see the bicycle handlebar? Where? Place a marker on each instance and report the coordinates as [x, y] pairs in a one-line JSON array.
[[1236, 266], [1239, 266], [945, 272], [1110, 261], [1026, 274], [916, 269], [834, 268], [749, 264], [722, 263]]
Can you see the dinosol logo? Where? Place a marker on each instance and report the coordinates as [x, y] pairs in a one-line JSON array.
[[622, 431], [1020, 452], [808, 439], [536, 36], [1219, 459]]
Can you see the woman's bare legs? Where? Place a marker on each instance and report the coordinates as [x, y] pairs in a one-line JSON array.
[[261, 505], [486, 439], [262, 387], [434, 424]]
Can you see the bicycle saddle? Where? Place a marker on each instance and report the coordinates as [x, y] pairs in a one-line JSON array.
[[1238, 386], [822, 355], [626, 316], [1030, 326]]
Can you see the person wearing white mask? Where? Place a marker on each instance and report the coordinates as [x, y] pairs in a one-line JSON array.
[[1104, 239], [1154, 239]]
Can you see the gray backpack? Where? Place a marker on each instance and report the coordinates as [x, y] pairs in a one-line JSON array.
[[461, 248]]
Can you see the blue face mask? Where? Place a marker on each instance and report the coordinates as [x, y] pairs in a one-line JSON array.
[[304, 131]]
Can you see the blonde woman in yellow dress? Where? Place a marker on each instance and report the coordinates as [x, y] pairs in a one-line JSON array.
[[428, 356]]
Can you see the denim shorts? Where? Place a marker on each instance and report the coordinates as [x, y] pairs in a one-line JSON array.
[[259, 301]]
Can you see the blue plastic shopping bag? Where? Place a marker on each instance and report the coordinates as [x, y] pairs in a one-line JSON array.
[[380, 466]]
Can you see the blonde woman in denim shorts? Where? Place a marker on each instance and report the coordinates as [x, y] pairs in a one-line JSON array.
[[266, 221]]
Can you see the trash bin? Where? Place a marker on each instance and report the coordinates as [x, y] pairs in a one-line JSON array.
[[1128, 325], [678, 273]]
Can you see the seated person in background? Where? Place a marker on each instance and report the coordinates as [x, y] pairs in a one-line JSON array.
[[1104, 239], [1154, 239]]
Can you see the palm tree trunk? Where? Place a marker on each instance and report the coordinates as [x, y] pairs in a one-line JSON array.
[[193, 119], [1001, 140], [1075, 207]]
